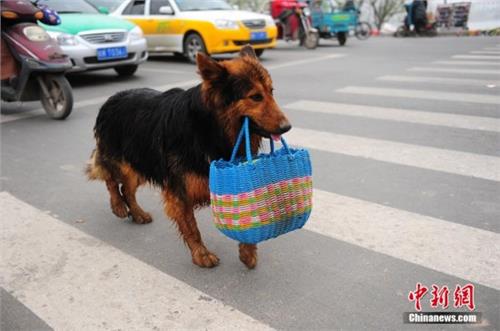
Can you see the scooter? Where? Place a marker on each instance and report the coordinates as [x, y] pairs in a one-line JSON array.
[[293, 19], [416, 23], [33, 64]]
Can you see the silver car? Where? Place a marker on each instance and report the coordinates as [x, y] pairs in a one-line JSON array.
[[96, 41]]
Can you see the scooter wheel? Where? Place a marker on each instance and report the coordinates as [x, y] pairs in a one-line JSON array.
[[58, 104], [311, 40]]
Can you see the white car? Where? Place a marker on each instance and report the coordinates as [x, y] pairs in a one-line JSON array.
[[96, 41]]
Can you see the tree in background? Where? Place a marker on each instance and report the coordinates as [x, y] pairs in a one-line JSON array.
[[252, 5], [383, 10]]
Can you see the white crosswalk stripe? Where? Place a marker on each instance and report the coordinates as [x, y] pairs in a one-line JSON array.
[[436, 159], [451, 248], [457, 71], [487, 52], [75, 282], [476, 57], [440, 80], [399, 115], [422, 94], [468, 63]]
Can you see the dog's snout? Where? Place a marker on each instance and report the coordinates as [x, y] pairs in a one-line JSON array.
[[285, 126]]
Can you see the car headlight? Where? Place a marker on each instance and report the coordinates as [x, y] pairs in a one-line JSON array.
[[36, 33], [64, 39], [136, 33], [226, 24], [270, 21]]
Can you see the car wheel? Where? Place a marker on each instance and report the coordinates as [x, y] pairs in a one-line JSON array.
[[192, 45], [259, 52], [126, 71]]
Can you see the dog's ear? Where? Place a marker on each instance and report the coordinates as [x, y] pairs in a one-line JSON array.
[[247, 50], [208, 68]]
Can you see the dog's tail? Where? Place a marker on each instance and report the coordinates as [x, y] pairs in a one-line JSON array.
[[93, 169]]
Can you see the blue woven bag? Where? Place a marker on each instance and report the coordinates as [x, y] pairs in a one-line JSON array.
[[255, 199]]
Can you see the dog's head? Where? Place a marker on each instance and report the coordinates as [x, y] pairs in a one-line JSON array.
[[242, 87]]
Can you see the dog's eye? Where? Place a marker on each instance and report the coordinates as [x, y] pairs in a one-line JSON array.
[[257, 97]]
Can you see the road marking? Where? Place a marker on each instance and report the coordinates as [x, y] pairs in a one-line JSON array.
[[166, 71], [476, 57], [299, 62], [92, 101], [458, 71], [423, 94], [399, 115], [440, 80], [436, 159], [100, 100], [455, 249], [488, 52], [75, 282], [468, 63]]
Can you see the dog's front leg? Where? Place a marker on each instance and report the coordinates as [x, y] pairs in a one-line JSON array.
[[248, 255], [182, 214]]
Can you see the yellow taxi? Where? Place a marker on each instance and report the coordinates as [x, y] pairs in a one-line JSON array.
[[189, 26]]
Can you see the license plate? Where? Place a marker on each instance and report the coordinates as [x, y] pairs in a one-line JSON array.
[[111, 53], [258, 35]]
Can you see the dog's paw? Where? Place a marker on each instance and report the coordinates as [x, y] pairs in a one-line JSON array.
[[119, 208], [142, 218], [203, 258], [248, 255]]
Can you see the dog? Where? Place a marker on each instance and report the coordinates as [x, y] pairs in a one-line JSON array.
[[168, 139]]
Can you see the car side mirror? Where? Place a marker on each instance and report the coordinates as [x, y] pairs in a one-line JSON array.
[[103, 10], [166, 10]]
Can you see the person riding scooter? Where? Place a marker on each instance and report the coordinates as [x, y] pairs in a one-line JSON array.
[[33, 64]]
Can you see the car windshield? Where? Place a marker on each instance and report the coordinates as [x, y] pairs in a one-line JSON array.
[[111, 5], [70, 7], [190, 5]]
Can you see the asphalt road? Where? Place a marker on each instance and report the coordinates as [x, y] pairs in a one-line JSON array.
[[404, 136]]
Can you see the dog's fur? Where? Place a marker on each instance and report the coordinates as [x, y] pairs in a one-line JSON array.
[[168, 139]]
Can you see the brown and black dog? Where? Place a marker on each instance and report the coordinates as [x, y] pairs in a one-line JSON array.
[[168, 139]]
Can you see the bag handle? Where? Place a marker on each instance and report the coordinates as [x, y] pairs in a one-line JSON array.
[[245, 131]]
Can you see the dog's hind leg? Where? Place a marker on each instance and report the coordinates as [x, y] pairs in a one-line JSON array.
[[182, 214], [98, 169], [118, 205], [130, 182]]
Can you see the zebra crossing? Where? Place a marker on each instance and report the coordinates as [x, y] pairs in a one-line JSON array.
[[88, 270]]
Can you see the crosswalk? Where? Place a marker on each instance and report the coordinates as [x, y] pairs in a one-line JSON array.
[[67, 263]]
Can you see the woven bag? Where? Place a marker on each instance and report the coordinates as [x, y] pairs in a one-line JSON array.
[[255, 199]]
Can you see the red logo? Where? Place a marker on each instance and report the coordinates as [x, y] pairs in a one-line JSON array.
[[463, 296]]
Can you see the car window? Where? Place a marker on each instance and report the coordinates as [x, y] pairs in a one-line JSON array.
[[68, 7], [155, 6], [136, 7], [111, 5], [193, 5]]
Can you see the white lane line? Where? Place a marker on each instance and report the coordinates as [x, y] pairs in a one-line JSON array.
[[423, 94], [75, 282], [458, 71], [476, 57], [457, 250], [440, 80], [399, 115], [488, 52], [436, 159], [166, 71], [92, 101], [468, 63], [299, 62], [492, 48]]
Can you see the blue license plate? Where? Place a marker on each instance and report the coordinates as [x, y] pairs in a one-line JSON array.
[[258, 35], [111, 53]]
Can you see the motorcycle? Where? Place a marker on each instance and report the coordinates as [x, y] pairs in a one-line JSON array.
[[33, 64], [416, 22], [293, 19]]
